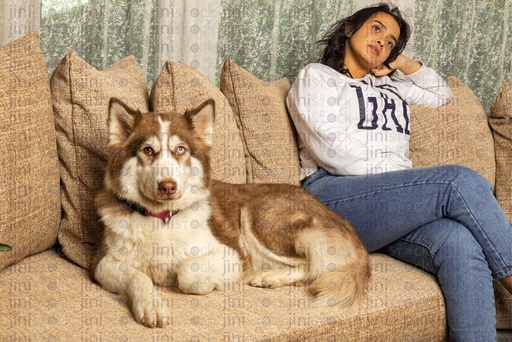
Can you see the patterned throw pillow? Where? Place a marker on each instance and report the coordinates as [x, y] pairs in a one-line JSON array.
[[81, 95], [456, 133], [30, 210], [501, 124], [268, 134]]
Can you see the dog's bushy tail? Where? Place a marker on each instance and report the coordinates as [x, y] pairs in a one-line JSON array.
[[338, 263]]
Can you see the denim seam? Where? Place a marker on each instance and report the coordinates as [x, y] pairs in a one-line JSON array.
[[503, 273], [382, 189]]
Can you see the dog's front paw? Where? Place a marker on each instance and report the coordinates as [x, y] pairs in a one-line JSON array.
[[151, 311]]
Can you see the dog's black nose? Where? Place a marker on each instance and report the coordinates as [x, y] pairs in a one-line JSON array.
[[167, 187]]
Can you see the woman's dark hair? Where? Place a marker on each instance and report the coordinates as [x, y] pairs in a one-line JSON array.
[[336, 37]]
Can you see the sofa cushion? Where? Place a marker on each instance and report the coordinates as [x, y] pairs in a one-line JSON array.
[[30, 210], [179, 87], [501, 123], [457, 133], [268, 134], [57, 301], [81, 96]]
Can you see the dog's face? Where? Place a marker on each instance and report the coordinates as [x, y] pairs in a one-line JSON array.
[[159, 159]]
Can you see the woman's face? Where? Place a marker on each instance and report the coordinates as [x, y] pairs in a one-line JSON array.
[[371, 45]]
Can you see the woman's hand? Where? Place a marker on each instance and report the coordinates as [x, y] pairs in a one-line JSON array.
[[403, 63], [382, 70]]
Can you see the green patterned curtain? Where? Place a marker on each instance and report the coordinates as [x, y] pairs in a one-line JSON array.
[[99, 31], [469, 39], [275, 39]]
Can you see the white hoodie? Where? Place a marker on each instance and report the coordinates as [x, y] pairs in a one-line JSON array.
[[358, 126]]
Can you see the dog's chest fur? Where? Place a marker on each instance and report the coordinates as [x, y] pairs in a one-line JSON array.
[[158, 248]]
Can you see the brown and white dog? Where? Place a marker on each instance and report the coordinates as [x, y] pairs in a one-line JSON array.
[[168, 223]]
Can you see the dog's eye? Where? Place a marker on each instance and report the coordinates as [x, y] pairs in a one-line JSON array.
[[180, 150], [148, 151]]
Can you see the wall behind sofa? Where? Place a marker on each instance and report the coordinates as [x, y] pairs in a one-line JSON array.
[[272, 38]]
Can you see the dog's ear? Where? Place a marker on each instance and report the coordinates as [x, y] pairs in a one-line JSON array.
[[121, 121], [202, 119]]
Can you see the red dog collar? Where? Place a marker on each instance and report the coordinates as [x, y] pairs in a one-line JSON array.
[[165, 215]]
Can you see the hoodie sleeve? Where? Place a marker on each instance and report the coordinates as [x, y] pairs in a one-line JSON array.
[[424, 87]]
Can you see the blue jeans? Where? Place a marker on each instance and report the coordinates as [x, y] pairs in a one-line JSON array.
[[444, 219]]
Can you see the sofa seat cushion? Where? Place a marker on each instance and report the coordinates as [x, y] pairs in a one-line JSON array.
[[47, 296]]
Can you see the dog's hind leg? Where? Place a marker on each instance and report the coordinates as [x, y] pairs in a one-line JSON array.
[[285, 275]]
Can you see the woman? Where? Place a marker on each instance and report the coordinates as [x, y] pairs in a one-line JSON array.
[[353, 125]]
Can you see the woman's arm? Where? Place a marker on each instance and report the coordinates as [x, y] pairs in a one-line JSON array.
[[421, 85]]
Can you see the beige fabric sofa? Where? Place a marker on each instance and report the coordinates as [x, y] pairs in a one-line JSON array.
[[53, 147]]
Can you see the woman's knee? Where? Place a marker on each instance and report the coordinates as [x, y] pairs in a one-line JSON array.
[[464, 176]]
